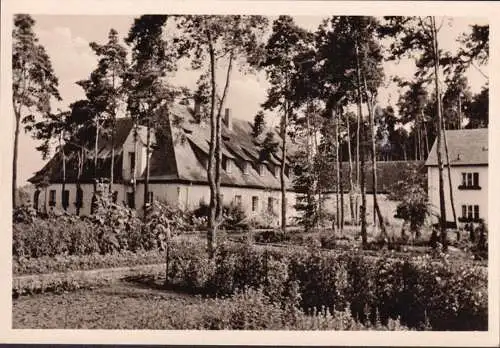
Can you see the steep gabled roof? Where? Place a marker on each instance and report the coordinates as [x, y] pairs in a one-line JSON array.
[[53, 168], [465, 147], [189, 145]]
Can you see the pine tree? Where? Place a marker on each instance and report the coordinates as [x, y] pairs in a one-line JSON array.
[[34, 83], [259, 124], [211, 42]]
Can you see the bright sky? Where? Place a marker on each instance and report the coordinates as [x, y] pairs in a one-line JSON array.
[[66, 39]]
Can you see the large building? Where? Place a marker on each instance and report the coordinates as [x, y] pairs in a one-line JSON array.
[[178, 168], [468, 155]]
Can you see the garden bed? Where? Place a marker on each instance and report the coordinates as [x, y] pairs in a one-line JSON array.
[[129, 306]]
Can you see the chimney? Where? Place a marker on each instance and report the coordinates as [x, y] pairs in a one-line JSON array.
[[227, 119]]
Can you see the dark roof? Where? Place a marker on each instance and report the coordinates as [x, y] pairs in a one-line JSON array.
[[465, 147], [388, 174], [189, 146], [180, 156], [53, 168]]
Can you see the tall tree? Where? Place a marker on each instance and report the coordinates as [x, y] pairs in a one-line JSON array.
[[259, 124], [110, 71], [350, 54], [34, 83], [286, 41], [417, 37], [152, 59], [477, 110], [223, 41], [55, 127], [474, 50]]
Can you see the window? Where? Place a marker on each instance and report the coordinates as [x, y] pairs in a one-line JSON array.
[[131, 160], [276, 171], [237, 200], [36, 198], [255, 203], [65, 199], [261, 169], [270, 205], [245, 168], [131, 200], [470, 181], [150, 197], [470, 213], [227, 164], [79, 198], [115, 196], [52, 198]]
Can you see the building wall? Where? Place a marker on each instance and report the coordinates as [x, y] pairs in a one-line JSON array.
[[460, 197], [140, 158], [387, 207], [87, 189], [184, 195]]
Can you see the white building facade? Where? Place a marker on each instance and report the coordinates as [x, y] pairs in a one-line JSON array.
[[468, 154]]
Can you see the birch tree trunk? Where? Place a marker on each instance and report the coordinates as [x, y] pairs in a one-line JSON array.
[[442, 206], [14, 159], [351, 198], [360, 149], [212, 226], [146, 178], [376, 207], [283, 158]]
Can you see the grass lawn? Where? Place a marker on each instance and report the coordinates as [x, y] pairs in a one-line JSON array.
[[121, 306], [129, 306]]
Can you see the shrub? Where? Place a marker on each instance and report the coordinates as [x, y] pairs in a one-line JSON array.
[[252, 309], [272, 236], [376, 290], [24, 214], [234, 217], [66, 263]]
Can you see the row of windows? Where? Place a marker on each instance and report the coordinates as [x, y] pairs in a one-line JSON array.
[[65, 198], [227, 165], [271, 201], [470, 181]]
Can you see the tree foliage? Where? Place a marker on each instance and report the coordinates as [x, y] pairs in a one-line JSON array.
[[34, 83]]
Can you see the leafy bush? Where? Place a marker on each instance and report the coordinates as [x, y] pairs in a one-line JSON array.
[[24, 214], [420, 291], [272, 236], [234, 217], [66, 263], [111, 228]]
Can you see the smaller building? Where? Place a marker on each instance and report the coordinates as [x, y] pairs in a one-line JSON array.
[[468, 155]]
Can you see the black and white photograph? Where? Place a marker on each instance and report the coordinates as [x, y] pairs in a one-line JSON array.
[[321, 171]]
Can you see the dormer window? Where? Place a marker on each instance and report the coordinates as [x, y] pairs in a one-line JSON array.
[[227, 164], [260, 168], [277, 171], [245, 167]]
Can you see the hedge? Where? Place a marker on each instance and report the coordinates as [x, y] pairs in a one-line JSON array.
[[65, 263], [420, 291]]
